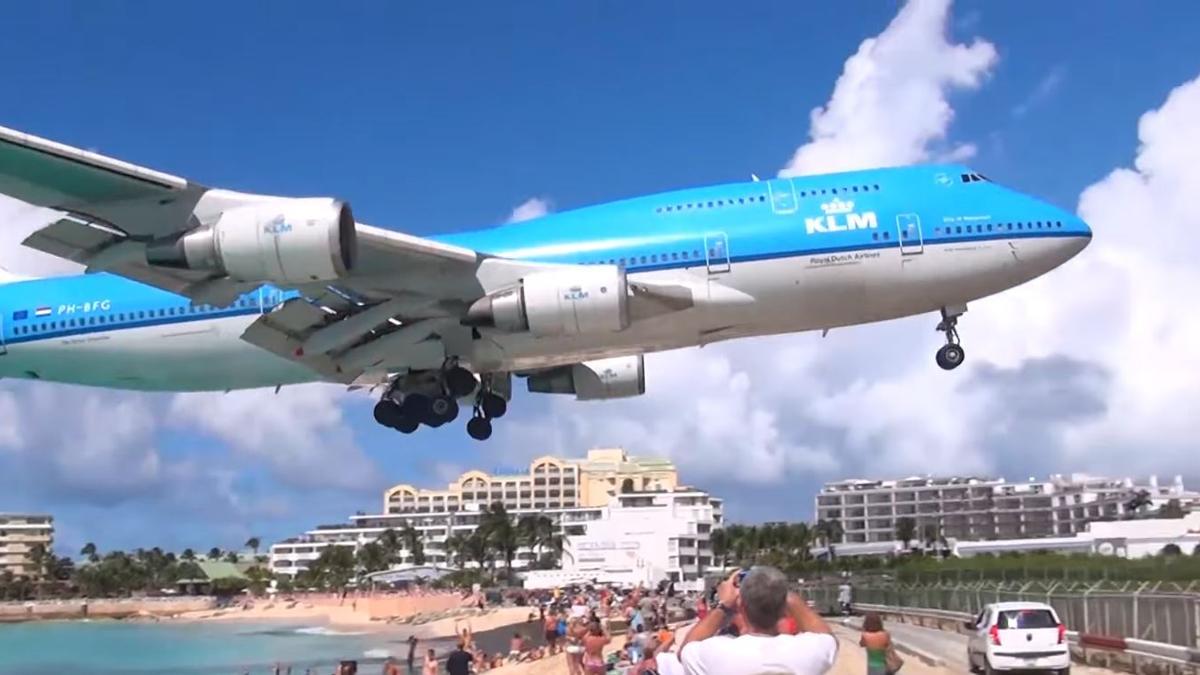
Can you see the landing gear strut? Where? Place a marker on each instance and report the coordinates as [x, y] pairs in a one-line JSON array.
[[951, 355]]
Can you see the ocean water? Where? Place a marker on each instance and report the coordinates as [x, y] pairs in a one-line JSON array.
[[208, 648]]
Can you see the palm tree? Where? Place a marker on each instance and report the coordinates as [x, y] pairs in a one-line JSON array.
[[906, 530], [372, 557], [214, 553], [931, 532], [253, 543], [232, 557], [719, 541], [334, 567], [413, 541], [39, 558], [389, 540], [89, 552], [477, 547], [499, 533], [188, 554], [456, 549], [535, 532], [829, 531]]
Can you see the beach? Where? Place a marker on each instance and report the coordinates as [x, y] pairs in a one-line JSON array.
[[432, 622]]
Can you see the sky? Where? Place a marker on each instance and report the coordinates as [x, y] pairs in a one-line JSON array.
[[431, 118]]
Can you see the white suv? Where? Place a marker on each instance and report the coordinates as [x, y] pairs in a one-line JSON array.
[[1018, 636]]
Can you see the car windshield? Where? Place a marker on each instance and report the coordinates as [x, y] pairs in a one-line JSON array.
[[1027, 618]]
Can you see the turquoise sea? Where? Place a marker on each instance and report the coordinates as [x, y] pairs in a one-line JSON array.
[[209, 648]]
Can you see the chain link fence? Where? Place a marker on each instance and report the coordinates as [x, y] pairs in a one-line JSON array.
[[1142, 611]]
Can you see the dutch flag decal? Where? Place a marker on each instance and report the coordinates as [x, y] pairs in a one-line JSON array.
[[42, 311]]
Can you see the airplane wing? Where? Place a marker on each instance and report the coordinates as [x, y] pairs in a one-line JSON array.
[[403, 291]]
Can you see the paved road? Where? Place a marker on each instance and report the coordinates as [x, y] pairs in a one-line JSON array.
[[950, 647]]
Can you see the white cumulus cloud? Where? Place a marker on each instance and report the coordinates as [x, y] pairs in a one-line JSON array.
[[534, 207], [890, 106]]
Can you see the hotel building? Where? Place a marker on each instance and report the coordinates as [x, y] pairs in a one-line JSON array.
[[967, 508], [19, 533], [593, 497]]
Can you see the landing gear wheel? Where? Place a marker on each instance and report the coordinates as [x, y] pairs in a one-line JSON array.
[[493, 405], [416, 407], [459, 381], [444, 409], [406, 425], [479, 428], [387, 412], [950, 356]]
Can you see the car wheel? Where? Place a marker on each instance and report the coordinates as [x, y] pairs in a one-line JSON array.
[[971, 667], [1064, 671], [987, 667]]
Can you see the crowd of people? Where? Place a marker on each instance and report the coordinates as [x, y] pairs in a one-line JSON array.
[[750, 624]]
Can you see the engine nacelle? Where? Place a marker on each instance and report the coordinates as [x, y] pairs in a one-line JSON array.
[[286, 241], [576, 301], [619, 377]]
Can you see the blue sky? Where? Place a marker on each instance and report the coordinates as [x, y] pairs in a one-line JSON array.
[[431, 117]]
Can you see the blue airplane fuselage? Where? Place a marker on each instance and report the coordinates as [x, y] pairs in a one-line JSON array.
[[781, 255]]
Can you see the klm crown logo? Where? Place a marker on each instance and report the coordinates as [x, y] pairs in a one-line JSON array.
[[840, 217], [837, 206], [277, 225]]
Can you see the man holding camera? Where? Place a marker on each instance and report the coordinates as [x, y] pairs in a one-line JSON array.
[[756, 601]]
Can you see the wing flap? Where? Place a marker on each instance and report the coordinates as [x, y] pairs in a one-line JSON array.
[[73, 239]]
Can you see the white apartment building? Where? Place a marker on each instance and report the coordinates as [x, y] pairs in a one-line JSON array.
[[19, 533], [969, 508], [601, 496], [644, 538]]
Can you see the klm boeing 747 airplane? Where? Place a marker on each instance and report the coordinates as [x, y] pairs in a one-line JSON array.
[[190, 288]]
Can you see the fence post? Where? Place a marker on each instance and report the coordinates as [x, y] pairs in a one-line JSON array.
[[1135, 612], [1086, 601]]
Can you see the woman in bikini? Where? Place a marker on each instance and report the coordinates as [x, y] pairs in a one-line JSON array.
[[593, 650]]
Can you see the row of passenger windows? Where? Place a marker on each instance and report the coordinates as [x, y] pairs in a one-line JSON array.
[[122, 317], [977, 229], [998, 227], [754, 199], [695, 254], [877, 235]]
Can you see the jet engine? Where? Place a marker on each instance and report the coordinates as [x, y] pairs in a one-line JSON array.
[[619, 377], [285, 241], [572, 301]]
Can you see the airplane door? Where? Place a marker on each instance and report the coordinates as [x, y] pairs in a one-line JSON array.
[[908, 229], [716, 252], [782, 194]]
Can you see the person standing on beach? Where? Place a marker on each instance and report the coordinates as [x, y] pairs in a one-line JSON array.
[[431, 663], [550, 629], [459, 661], [412, 651]]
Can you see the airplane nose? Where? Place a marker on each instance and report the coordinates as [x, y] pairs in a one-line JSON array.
[[1077, 236]]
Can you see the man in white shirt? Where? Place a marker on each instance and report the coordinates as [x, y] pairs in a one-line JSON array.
[[758, 603]]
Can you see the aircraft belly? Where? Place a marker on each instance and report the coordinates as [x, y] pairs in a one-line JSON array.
[[196, 356]]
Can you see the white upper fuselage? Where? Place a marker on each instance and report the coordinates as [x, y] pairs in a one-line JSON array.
[[768, 257]]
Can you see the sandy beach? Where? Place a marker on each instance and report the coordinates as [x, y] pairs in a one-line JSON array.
[[355, 615]]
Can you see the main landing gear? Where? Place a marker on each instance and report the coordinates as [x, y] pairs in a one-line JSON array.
[[431, 398], [488, 406], [951, 355]]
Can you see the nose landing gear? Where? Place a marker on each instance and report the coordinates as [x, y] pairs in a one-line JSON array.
[[951, 355]]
